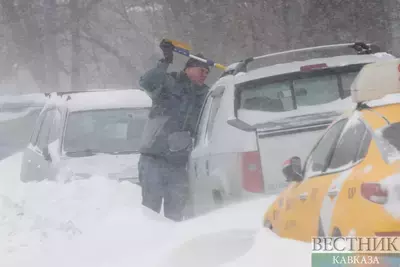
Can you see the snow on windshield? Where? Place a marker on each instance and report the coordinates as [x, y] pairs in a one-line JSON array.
[[113, 130]]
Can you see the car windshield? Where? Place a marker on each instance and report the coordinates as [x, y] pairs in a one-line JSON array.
[[104, 131], [296, 90]]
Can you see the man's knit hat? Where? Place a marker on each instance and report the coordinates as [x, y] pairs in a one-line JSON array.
[[196, 63]]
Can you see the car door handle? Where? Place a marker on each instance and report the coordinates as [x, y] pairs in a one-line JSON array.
[[303, 196]]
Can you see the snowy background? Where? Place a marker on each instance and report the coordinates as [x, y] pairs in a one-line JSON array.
[[103, 44], [58, 45], [100, 223]]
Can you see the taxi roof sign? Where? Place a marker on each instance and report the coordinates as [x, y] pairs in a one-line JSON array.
[[376, 80]]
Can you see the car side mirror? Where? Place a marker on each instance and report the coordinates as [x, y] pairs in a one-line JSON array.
[[46, 154], [179, 141], [292, 169]]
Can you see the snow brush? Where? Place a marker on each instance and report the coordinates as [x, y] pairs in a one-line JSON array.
[[184, 49]]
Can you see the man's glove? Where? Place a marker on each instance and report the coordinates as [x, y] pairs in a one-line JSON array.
[[167, 49]]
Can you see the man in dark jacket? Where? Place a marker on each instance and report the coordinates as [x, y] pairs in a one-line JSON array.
[[177, 101]]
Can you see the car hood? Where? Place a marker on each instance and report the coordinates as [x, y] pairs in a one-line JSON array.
[[119, 167]]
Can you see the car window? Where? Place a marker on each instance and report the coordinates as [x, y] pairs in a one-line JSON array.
[[317, 160], [105, 131], [316, 90], [297, 90], [215, 104], [362, 153], [272, 97], [55, 127], [388, 138], [347, 148], [391, 134], [36, 129], [347, 80], [45, 129], [201, 127]]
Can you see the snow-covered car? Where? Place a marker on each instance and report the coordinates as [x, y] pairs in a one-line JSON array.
[[80, 134], [226, 164], [350, 181]]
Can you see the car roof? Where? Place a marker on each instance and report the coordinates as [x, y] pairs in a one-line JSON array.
[[383, 110], [376, 88], [102, 99], [294, 66]]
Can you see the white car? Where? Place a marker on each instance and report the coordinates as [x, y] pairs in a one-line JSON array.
[[286, 105], [80, 134]]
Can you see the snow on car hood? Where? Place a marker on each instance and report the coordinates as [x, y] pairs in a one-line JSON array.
[[117, 167]]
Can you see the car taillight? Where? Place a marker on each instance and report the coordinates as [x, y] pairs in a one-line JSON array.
[[313, 67], [252, 178], [374, 192]]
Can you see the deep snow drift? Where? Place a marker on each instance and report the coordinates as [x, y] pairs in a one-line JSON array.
[[99, 222]]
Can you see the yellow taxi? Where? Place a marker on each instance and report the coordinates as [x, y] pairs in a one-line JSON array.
[[349, 185]]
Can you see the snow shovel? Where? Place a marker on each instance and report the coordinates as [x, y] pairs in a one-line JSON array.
[[184, 49]]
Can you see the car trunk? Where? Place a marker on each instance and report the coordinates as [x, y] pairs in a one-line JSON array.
[[283, 139]]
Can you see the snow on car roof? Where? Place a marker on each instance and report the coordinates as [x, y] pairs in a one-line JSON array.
[[376, 81], [386, 100], [108, 99], [295, 66]]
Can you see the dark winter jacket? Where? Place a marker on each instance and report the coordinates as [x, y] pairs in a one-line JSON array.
[[176, 107]]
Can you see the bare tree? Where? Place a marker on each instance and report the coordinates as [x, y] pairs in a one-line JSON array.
[[78, 44]]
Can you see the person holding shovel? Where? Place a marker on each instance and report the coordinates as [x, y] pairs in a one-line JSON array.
[[177, 100]]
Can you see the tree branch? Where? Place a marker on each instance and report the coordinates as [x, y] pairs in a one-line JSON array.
[[90, 37], [82, 12]]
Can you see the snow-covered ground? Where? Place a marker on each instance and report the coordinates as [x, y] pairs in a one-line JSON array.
[[99, 223]]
